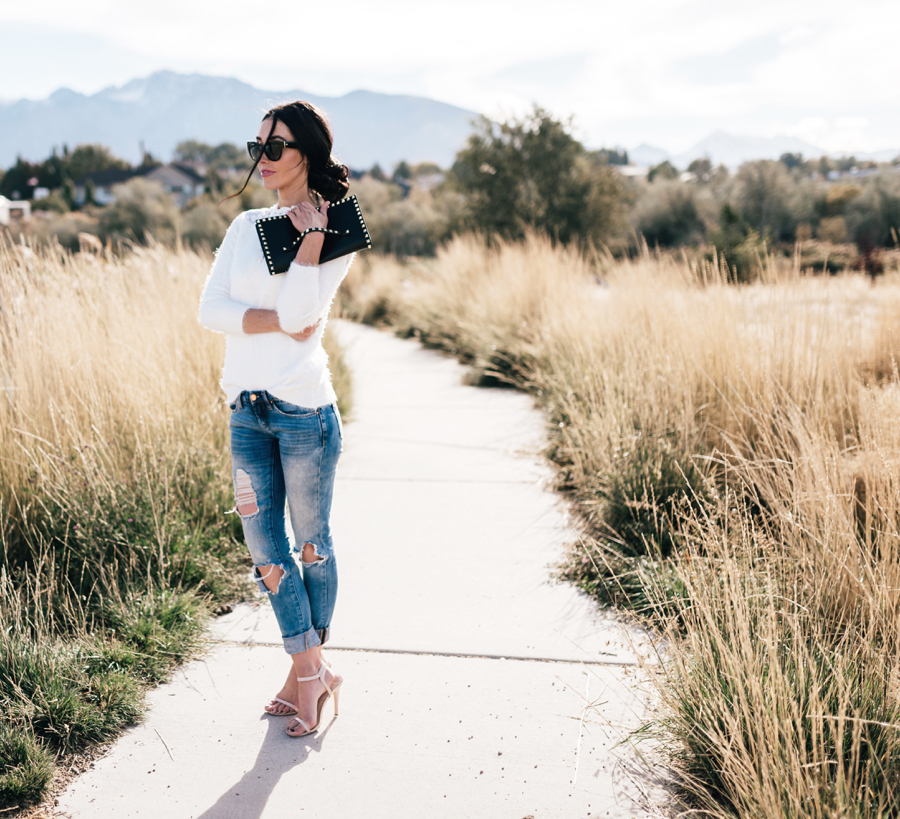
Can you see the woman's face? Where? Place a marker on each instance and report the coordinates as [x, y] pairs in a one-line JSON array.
[[288, 171]]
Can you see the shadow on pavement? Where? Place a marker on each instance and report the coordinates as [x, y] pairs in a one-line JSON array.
[[278, 754]]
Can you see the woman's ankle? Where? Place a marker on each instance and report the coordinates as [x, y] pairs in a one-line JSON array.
[[307, 663]]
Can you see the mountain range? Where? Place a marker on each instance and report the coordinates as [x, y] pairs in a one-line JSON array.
[[731, 150], [159, 111]]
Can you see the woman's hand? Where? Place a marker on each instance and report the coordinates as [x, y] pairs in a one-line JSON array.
[[305, 216], [266, 321], [305, 334]]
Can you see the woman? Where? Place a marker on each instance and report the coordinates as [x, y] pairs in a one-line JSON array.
[[285, 427]]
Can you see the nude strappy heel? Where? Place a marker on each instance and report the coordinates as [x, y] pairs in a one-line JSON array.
[[334, 688]]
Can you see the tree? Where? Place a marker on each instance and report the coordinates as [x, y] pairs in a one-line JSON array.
[[54, 171], [531, 173], [15, 184], [191, 150], [88, 158], [839, 196], [611, 156], [149, 162], [762, 192], [824, 166], [739, 246], [702, 168], [667, 215], [402, 171], [873, 217], [426, 168], [791, 161], [664, 171], [224, 157], [142, 209]]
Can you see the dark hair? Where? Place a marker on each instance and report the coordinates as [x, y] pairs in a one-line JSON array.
[[324, 174]]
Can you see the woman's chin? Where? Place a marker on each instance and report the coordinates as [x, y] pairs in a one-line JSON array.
[[269, 182]]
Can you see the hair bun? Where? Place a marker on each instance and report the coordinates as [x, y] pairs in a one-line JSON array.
[[330, 181]]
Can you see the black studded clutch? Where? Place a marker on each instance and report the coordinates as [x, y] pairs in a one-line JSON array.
[[346, 233]]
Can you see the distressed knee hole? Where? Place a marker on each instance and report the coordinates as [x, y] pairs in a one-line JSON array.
[[310, 555], [270, 577], [244, 495]]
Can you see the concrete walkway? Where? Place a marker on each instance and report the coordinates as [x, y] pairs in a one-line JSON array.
[[474, 686]]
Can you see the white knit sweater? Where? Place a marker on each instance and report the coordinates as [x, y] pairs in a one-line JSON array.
[[295, 371]]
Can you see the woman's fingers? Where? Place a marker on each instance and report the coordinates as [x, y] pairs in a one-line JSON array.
[[296, 219], [303, 335], [305, 216]]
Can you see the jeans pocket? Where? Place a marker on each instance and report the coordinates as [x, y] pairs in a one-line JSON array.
[[340, 423], [287, 408]]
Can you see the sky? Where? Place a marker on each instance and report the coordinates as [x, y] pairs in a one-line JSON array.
[[663, 72]]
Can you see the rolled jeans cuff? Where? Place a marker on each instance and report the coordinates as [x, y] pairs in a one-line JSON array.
[[303, 642]]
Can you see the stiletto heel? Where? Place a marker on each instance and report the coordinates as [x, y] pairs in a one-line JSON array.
[[334, 688]]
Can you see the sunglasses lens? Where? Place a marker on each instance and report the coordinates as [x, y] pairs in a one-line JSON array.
[[255, 150], [274, 150]]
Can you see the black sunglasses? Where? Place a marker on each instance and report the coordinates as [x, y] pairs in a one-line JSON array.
[[273, 149]]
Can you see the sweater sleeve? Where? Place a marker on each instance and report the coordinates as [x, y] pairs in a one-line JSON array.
[[218, 311], [308, 292]]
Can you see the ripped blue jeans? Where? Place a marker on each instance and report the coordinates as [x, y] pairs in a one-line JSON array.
[[279, 452]]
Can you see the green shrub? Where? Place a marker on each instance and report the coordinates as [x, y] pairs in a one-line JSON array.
[[142, 211], [204, 224], [668, 214], [64, 228], [26, 768]]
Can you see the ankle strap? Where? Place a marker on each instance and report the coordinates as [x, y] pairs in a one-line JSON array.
[[319, 675]]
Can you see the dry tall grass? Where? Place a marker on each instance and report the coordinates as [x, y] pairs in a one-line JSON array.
[[114, 485], [735, 455]]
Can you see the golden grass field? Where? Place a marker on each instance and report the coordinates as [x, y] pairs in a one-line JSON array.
[[734, 455], [114, 488], [732, 452]]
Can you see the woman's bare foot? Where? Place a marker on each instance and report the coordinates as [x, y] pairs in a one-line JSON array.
[[288, 693], [308, 695]]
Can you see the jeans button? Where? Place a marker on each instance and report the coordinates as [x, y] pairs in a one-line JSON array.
[[253, 396]]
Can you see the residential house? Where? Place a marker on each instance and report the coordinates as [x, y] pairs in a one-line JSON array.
[[180, 180], [14, 210], [103, 183]]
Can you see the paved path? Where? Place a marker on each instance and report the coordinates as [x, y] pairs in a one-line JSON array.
[[474, 686]]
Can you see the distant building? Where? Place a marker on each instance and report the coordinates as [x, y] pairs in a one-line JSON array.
[[635, 171], [180, 180], [102, 183], [854, 171], [14, 211], [428, 181]]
